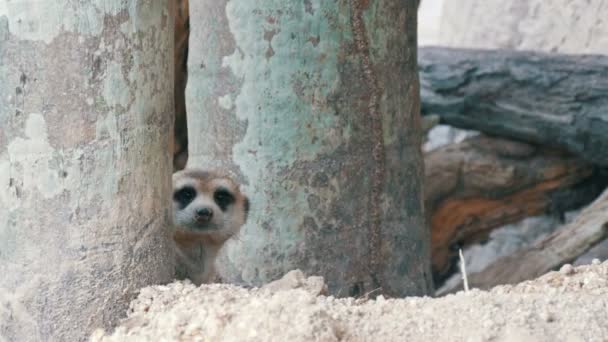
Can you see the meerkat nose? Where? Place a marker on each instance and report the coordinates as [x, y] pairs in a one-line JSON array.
[[204, 214]]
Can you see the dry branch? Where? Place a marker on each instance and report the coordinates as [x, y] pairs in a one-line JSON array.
[[547, 99], [560, 247], [484, 183]]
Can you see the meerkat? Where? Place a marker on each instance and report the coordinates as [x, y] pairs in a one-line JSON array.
[[208, 209]]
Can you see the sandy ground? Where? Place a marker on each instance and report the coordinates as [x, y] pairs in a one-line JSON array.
[[568, 305]]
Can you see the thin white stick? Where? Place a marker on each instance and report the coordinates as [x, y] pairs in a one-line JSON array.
[[463, 271]]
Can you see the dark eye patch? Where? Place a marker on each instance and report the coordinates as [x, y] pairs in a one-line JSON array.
[[223, 198], [184, 196]]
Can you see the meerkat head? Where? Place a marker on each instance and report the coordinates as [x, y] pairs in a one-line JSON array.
[[208, 202]]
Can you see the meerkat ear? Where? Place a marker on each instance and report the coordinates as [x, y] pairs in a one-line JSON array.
[[246, 206]]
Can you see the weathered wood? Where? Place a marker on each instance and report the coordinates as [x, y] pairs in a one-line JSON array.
[[560, 247], [548, 99], [484, 183]]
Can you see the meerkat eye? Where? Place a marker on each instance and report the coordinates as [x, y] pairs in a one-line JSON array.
[[184, 196], [223, 198]]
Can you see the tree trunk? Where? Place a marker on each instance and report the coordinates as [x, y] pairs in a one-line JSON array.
[[85, 167], [548, 99], [314, 106], [485, 183]]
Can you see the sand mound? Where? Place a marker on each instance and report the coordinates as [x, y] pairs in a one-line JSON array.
[[569, 305]]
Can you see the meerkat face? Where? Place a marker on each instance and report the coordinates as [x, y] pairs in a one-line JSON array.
[[208, 202]]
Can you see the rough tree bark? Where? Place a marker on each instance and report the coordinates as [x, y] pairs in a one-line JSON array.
[[548, 99], [313, 105], [485, 183], [560, 247], [84, 162]]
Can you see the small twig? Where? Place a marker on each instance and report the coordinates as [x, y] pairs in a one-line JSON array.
[[463, 271], [372, 291]]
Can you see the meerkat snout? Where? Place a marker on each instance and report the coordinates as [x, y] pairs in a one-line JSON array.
[[208, 209], [203, 215]]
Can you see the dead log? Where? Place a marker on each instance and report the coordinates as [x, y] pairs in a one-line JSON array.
[[546, 99], [484, 183], [559, 248]]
